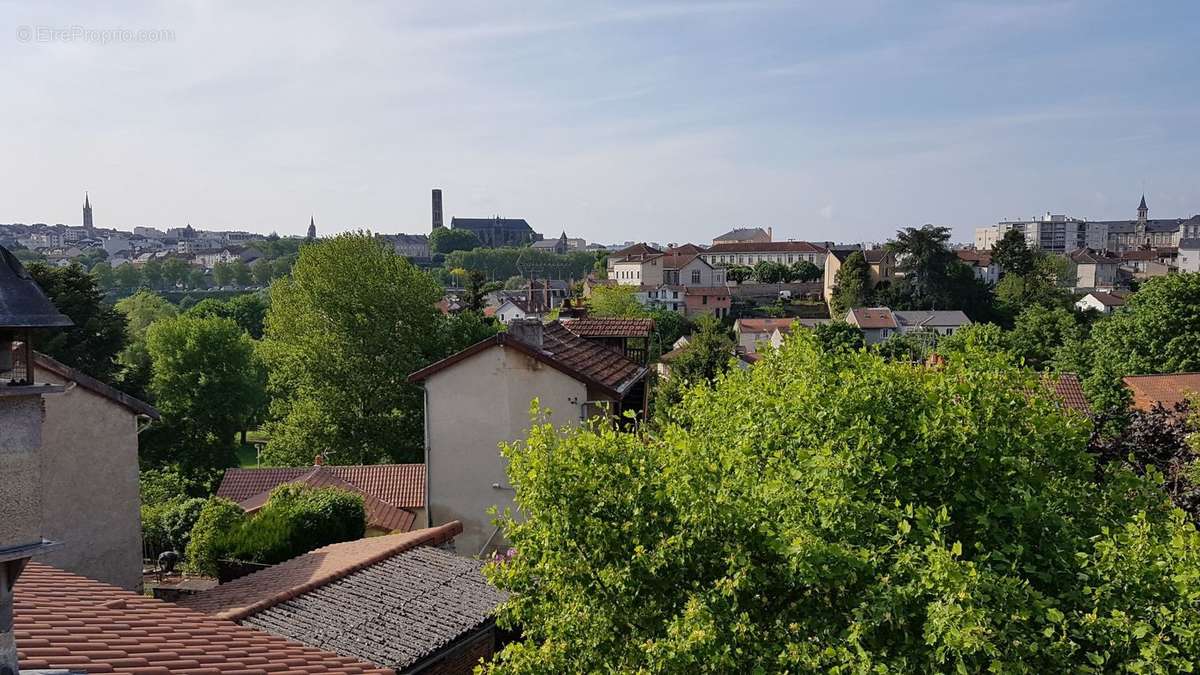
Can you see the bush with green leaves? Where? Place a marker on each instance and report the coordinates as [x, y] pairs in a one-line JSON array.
[[168, 525], [218, 517], [828, 511], [295, 520]]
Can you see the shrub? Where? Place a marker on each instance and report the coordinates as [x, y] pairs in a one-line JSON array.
[[295, 520], [218, 517]]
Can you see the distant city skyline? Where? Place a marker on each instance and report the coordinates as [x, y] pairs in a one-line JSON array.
[[612, 121]]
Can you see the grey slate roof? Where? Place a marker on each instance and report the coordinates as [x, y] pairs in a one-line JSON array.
[[1152, 225], [931, 318], [485, 223], [22, 302], [742, 234], [394, 613]]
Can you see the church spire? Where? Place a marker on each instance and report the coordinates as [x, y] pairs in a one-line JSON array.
[[1142, 206], [87, 212], [312, 228]]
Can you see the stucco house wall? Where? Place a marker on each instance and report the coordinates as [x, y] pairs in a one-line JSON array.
[[470, 409], [90, 481], [21, 489]]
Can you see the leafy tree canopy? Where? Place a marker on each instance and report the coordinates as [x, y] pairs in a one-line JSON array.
[[206, 382], [342, 335], [836, 513], [449, 240], [851, 285], [1157, 331], [618, 301], [98, 336]]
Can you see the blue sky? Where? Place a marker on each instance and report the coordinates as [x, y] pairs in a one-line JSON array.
[[614, 121]]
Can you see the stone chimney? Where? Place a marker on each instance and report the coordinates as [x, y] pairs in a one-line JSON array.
[[528, 331], [437, 209]]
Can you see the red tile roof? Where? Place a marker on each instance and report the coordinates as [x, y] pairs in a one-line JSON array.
[[762, 325], [380, 514], [768, 247], [65, 621], [1166, 389], [874, 317], [1066, 388], [561, 349], [401, 485], [253, 593], [981, 258], [605, 326], [675, 261]]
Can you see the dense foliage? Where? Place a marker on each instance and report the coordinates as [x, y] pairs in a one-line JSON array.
[[247, 310], [295, 520], [502, 263], [1156, 440], [207, 383], [217, 517], [708, 353], [832, 512], [98, 336], [1157, 331], [851, 285], [342, 335], [449, 240]]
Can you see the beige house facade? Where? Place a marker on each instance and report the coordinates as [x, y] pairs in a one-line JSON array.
[[481, 397], [90, 476]]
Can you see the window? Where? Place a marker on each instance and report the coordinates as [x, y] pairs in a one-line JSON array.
[[704, 299], [695, 276]]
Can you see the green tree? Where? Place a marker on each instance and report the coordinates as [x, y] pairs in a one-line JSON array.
[[197, 279], [600, 267], [707, 355], [476, 290], [974, 340], [174, 271], [241, 273], [248, 311], [222, 274], [102, 272], [806, 271], [152, 272], [1157, 331], [98, 335], [127, 277], [217, 517], [739, 274], [262, 271], [837, 513], [140, 310], [1012, 254], [448, 240], [1040, 332], [768, 272], [206, 382], [669, 326], [838, 336], [925, 259], [851, 285], [342, 335], [615, 301], [1046, 284]]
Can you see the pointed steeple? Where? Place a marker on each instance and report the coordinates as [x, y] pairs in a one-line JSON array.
[[1142, 206], [312, 228], [87, 212]]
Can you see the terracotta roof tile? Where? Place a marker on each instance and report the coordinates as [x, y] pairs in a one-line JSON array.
[[401, 485], [874, 317], [603, 326], [380, 514], [762, 325], [253, 593], [1168, 389], [561, 349], [65, 621], [1066, 388]]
